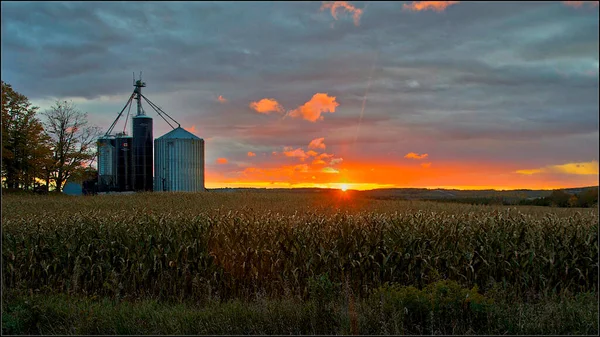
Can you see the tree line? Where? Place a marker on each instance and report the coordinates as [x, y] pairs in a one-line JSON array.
[[560, 198], [45, 149]]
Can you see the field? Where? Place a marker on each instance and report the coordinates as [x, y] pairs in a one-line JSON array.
[[281, 263]]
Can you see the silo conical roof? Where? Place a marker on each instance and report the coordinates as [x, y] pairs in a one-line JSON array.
[[179, 133]]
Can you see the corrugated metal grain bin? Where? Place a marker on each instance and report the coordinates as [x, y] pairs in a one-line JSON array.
[[179, 162], [106, 163]]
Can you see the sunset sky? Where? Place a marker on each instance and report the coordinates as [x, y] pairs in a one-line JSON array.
[[318, 94]]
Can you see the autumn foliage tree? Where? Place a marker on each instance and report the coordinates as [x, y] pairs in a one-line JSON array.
[[72, 141], [589, 197], [25, 146]]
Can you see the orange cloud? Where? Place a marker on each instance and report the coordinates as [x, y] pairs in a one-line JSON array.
[[412, 155], [222, 99], [252, 170], [301, 168], [426, 165], [343, 5], [336, 161], [251, 154], [438, 6], [578, 4], [530, 171], [284, 172], [585, 168], [297, 153], [320, 160], [266, 106], [312, 153], [575, 4], [318, 104], [330, 170], [222, 161], [192, 129], [317, 143]]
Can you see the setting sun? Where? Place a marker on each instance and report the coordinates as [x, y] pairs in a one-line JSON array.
[[344, 187]]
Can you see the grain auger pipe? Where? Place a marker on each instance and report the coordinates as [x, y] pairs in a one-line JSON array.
[[112, 126], [160, 112]]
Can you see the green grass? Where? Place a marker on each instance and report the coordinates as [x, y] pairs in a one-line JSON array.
[[442, 308]]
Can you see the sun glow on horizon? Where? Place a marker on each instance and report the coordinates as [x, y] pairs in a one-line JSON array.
[[366, 186], [358, 176], [287, 185]]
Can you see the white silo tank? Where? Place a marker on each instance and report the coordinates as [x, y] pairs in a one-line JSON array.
[[179, 162]]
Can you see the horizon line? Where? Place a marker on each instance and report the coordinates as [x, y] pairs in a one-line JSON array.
[[407, 188]]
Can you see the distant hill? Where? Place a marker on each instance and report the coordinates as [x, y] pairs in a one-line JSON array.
[[423, 193]]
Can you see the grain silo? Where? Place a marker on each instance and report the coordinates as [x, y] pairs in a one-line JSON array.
[[142, 144], [106, 163], [142, 153], [179, 162], [125, 163]]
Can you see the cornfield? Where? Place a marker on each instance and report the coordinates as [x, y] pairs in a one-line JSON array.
[[236, 245]]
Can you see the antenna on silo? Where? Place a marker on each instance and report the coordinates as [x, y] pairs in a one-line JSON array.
[[138, 94]]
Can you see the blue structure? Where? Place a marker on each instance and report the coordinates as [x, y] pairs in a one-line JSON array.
[[72, 188]]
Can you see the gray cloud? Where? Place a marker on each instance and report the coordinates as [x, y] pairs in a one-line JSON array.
[[498, 73]]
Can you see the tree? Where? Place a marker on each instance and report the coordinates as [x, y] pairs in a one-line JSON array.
[[24, 144], [559, 198], [589, 197], [573, 201], [72, 142]]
